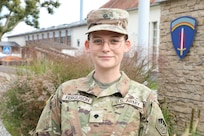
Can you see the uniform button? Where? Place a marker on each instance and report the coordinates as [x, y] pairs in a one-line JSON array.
[[96, 116]]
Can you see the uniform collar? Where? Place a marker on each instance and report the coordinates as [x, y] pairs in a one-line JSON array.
[[88, 85]]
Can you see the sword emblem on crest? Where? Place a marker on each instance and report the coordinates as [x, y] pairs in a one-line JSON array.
[[182, 34]]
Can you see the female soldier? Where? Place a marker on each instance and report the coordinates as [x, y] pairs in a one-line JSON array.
[[105, 102]]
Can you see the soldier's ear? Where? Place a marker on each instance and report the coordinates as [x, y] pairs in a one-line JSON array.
[[87, 46], [127, 45]]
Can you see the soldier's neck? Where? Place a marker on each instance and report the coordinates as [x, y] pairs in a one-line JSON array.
[[107, 76]]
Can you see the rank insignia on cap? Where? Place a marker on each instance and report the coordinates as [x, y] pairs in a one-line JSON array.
[[161, 127], [105, 16]]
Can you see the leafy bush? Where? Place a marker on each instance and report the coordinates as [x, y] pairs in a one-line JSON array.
[[139, 68], [23, 101]]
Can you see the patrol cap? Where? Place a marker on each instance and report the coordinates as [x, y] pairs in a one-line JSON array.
[[109, 19]]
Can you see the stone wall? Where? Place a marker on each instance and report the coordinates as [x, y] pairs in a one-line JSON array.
[[182, 81]]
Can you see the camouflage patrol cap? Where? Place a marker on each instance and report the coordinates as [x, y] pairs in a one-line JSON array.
[[109, 19]]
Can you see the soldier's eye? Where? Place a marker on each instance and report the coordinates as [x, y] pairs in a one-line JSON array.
[[114, 41], [98, 41]]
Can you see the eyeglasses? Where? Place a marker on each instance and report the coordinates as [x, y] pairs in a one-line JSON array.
[[98, 43]]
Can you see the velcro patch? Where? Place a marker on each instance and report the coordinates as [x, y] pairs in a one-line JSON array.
[[96, 117], [77, 98], [161, 127]]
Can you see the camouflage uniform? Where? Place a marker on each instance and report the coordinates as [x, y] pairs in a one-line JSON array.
[[80, 108]]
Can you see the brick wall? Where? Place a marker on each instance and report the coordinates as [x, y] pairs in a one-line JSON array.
[[182, 81]]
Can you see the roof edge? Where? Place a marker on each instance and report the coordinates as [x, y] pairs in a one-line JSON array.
[[136, 8], [160, 0]]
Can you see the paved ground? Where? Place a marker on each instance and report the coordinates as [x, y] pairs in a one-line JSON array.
[[8, 69], [3, 131], [6, 76]]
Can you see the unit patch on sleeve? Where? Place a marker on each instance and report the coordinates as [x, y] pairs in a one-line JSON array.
[[161, 127]]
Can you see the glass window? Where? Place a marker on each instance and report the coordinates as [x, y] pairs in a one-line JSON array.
[[50, 34], [78, 42], [154, 43], [62, 40]]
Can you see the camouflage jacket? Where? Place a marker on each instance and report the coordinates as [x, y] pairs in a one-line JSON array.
[[80, 108]]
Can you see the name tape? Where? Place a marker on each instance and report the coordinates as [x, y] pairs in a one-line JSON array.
[[133, 102], [77, 98]]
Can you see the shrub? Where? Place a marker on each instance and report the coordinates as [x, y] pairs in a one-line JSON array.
[[23, 103], [139, 69]]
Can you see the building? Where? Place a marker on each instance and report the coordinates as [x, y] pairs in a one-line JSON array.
[[73, 35], [10, 53], [10, 49]]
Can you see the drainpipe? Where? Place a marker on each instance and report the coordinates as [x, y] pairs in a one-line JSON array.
[[143, 27], [81, 10]]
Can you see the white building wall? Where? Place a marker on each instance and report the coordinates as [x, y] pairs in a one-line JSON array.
[[19, 39], [79, 36], [133, 24], [133, 27]]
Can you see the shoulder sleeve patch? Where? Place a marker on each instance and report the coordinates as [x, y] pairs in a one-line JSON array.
[[161, 127]]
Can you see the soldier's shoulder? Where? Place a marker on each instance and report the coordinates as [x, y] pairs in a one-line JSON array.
[[140, 89], [72, 81], [70, 86]]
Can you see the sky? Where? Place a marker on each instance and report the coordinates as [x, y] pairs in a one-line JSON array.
[[68, 12]]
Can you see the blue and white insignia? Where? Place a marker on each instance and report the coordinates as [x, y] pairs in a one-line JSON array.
[[161, 127], [183, 31], [77, 98]]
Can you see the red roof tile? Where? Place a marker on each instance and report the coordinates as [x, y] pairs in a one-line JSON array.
[[123, 4]]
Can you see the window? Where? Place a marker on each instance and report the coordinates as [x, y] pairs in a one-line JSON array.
[[27, 38], [45, 35], [30, 37], [35, 36], [154, 44], [69, 34], [50, 34], [62, 36], [78, 42], [62, 39], [39, 36], [69, 40], [154, 33], [56, 39], [56, 34]]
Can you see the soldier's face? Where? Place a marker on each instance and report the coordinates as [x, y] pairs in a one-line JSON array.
[[107, 48]]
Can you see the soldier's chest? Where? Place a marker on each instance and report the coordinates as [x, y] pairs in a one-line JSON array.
[[106, 116]]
